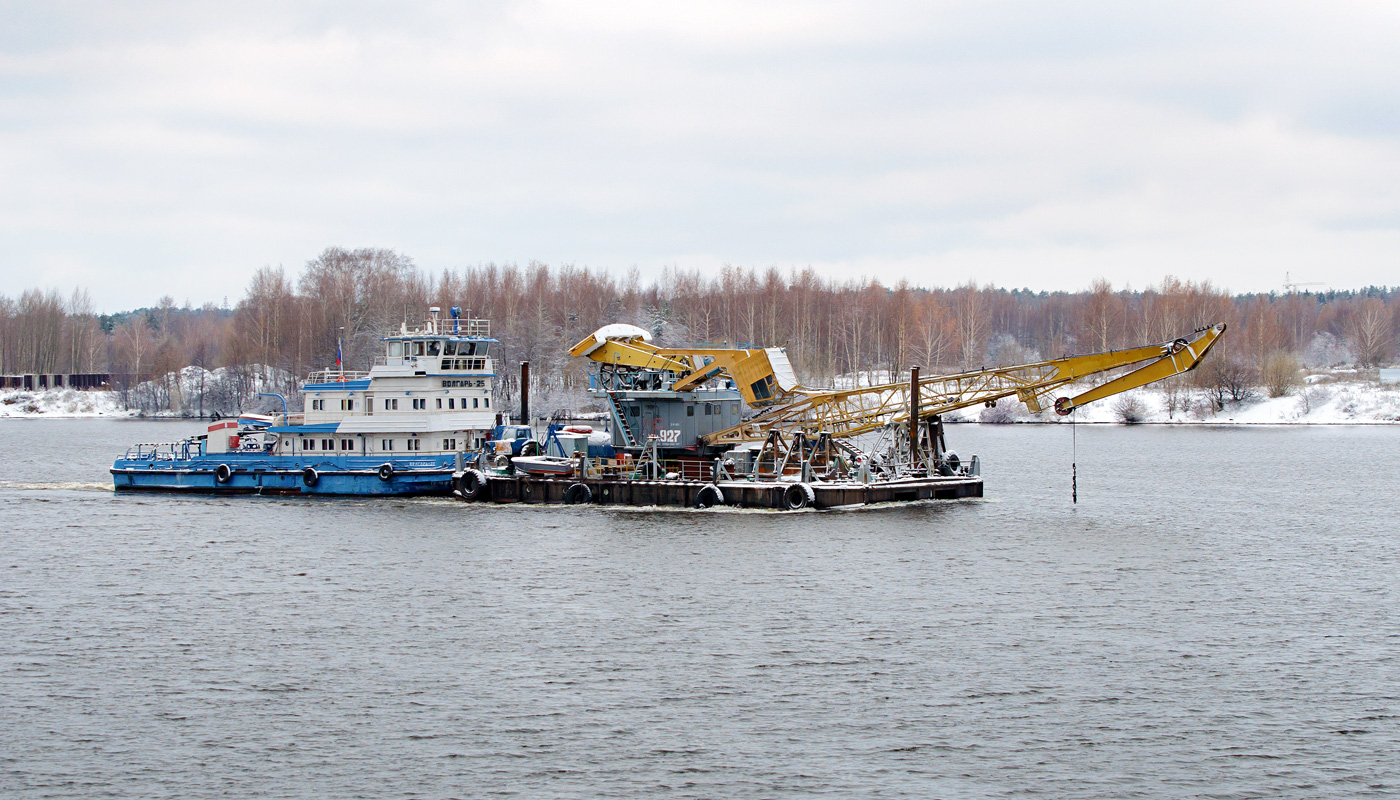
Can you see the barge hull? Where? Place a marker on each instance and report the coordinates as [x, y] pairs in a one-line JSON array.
[[746, 494], [259, 474]]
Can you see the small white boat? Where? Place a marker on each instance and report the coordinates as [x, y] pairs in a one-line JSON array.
[[544, 465]]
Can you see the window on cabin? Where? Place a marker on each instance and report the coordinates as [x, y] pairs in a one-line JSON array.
[[327, 444], [451, 403], [434, 348], [690, 411], [486, 402], [439, 403], [415, 444], [308, 444], [347, 444], [449, 348], [418, 348], [475, 400], [386, 444], [449, 444]]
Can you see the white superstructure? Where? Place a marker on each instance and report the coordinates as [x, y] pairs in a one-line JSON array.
[[430, 391]]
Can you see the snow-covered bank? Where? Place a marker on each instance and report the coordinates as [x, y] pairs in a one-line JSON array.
[[1327, 404], [179, 395], [61, 403]]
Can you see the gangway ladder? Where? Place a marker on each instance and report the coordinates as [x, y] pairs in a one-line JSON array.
[[620, 420]]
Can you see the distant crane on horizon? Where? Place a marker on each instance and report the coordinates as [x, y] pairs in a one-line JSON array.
[[1290, 286]]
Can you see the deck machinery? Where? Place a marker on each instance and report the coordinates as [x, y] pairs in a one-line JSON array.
[[678, 413]]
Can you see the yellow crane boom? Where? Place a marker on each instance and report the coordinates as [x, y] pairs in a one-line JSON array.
[[850, 412], [762, 375]]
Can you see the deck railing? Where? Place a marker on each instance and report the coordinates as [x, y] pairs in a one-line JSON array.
[[336, 376]]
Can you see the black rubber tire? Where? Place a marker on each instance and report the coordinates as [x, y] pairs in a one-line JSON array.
[[709, 496], [310, 476], [953, 462], [504, 464], [386, 471], [530, 448], [223, 473], [472, 485], [795, 496], [578, 494]]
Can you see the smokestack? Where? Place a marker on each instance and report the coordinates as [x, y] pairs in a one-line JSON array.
[[524, 393]]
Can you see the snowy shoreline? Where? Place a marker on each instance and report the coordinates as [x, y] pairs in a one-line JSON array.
[[1326, 404]]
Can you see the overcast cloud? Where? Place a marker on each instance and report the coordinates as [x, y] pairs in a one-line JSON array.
[[150, 148]]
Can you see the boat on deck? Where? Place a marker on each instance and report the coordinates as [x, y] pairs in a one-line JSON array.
[[421, 413]]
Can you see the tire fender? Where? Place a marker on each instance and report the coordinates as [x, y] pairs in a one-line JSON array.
[[310, 476], [223, 473], [709, 495], [386, 471], [471, 485], [578, 494], [798, 495]]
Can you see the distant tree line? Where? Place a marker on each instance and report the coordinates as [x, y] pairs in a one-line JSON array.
[[287, 325]]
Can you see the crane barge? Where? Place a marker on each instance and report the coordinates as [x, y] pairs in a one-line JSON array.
[[679, 434]]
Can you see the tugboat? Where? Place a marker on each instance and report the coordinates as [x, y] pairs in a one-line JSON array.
[[421, 413]]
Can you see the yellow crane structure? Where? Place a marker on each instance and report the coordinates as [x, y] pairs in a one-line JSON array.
[[828, 419], [845, 413], [763, 376]]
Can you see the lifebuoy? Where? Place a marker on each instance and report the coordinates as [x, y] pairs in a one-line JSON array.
[[798, 495], [223, 473], [578, 493], [386, 471], [471, 484], [310, 476], [709, 495]]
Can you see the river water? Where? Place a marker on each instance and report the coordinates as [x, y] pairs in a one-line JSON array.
[[1216, 617]]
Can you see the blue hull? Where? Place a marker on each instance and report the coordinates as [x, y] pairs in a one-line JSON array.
[[256, 473]]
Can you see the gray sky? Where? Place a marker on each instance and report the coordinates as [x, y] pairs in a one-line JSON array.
[[172, 148]]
